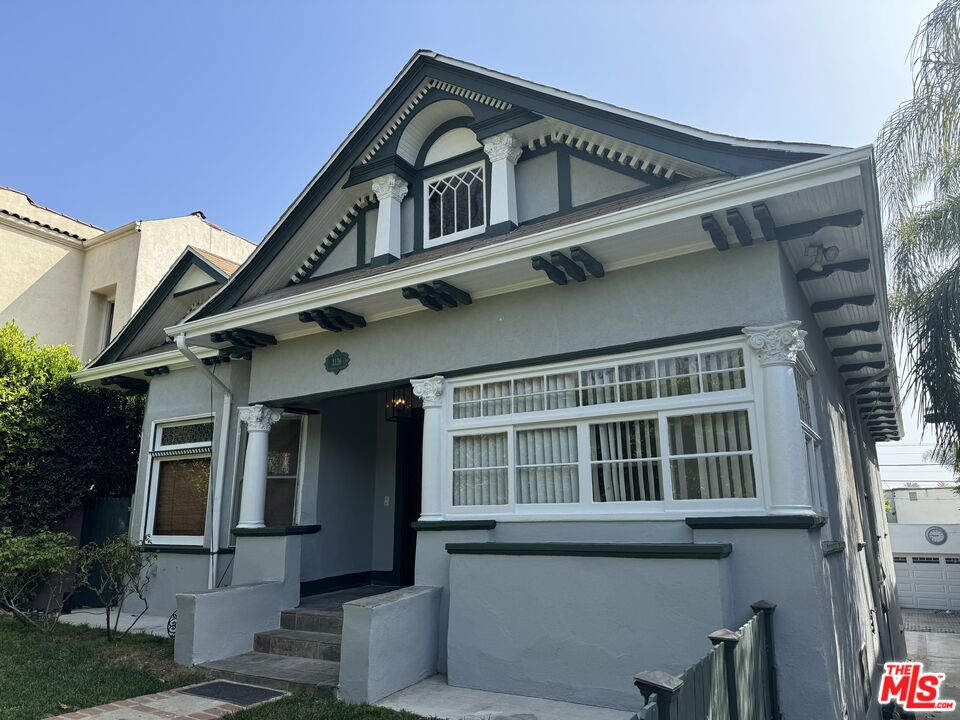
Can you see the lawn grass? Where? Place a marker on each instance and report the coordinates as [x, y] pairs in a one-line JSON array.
[[306, 707], [70, 668]]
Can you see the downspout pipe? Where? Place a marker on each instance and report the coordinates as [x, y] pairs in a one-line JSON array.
[[218, 481]]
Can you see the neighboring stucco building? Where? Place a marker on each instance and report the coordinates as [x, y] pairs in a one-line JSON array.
[[71, 282], [582, 382], [925, 538]]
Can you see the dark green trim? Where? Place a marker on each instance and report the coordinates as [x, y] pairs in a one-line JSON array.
[[378, 168], [717, 154], [381, 260], [153, 302], [342, 582], [423, 525], [276, 532], [564, 183], [768, 522], [198, 288], [451, 164], [361, 223], [653, 181], [522, 362], [503, 122], [177, 549], [441, 129], [623, 550]]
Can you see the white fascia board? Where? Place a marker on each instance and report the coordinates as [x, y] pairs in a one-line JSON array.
[[171, 358], [832, 168]]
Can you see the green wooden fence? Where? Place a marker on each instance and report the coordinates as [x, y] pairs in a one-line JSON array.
[[736, 680]]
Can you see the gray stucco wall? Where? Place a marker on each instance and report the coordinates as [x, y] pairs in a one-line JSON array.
[[691, 293], [589, 182], [577, 629], [537, 191], [186, 393]]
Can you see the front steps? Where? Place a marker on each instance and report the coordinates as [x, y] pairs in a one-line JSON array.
[[304, 653]]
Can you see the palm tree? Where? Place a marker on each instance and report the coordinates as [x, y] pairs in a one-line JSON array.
[[918, 153]]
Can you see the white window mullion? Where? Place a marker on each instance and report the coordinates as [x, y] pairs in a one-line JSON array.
[[666, 474], [583, 465]]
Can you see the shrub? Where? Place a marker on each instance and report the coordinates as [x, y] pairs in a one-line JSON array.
[[32, 567], [116, 571], [59, 441]]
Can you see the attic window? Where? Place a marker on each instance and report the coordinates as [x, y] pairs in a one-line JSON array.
[[455, 205]]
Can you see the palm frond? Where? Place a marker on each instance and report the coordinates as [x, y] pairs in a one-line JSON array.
[[917, 147]]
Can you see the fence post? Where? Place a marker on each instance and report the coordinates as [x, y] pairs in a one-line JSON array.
[[663, 684], [766, 608], [729, 639]]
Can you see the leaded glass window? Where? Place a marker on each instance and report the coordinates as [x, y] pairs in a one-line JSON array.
[[455, 203]]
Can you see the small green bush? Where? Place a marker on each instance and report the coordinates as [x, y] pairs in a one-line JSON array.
[[115, 572], [33, 566]]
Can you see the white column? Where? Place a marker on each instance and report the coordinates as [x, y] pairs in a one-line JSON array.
[[390, 191], [430, 391], [777, 347], [259, 419], [504, 151]]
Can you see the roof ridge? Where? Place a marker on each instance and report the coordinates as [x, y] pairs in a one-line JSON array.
[[51, 210]]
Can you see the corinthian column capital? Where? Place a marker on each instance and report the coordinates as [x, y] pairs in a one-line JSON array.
[[259, 417], [390, 187], [776, 344], [503, 147], [429, 390]]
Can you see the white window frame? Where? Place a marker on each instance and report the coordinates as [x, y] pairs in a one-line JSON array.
[[460, 234], [150, 501], [747, 398], [812, 439], [238, 461]]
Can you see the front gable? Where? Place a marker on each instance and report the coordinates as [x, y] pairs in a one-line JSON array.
[[431, 127]]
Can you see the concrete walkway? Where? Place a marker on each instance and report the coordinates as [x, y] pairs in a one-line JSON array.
[[97, 618], [181, 704], [433, 698], [939, 652]]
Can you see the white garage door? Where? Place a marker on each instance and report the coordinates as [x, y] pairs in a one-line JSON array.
[[928, 581]]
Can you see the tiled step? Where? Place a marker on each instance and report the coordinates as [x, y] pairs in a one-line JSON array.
[[299, 643], [312, 620], [279, 671]]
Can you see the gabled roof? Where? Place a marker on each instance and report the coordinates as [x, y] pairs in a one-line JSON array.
[[166, 304], [717, 154]]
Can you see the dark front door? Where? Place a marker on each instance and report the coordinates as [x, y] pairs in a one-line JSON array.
[[409, 459]]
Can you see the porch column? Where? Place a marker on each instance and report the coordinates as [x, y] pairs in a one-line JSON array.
[[430, 391], [390, 191], [259, 419], [777, 347], [504, 151]]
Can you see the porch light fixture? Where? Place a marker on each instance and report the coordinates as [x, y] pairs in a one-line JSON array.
[[401, 404], [821, 255]]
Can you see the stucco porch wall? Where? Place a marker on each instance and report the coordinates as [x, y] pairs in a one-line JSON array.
[[687, 294], [577, 629]]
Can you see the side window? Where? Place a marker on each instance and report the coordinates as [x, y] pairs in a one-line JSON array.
[[180, 479]]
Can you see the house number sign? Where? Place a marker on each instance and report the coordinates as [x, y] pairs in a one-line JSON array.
[[336, 361], [936, 535]]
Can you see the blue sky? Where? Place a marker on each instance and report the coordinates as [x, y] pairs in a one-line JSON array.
[[115, 111]]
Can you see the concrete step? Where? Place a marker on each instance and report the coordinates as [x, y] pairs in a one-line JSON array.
[[281, 672], [299, 643], [312, 620]]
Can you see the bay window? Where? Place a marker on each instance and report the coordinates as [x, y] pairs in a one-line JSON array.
[[642, 432], [179, 481]]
